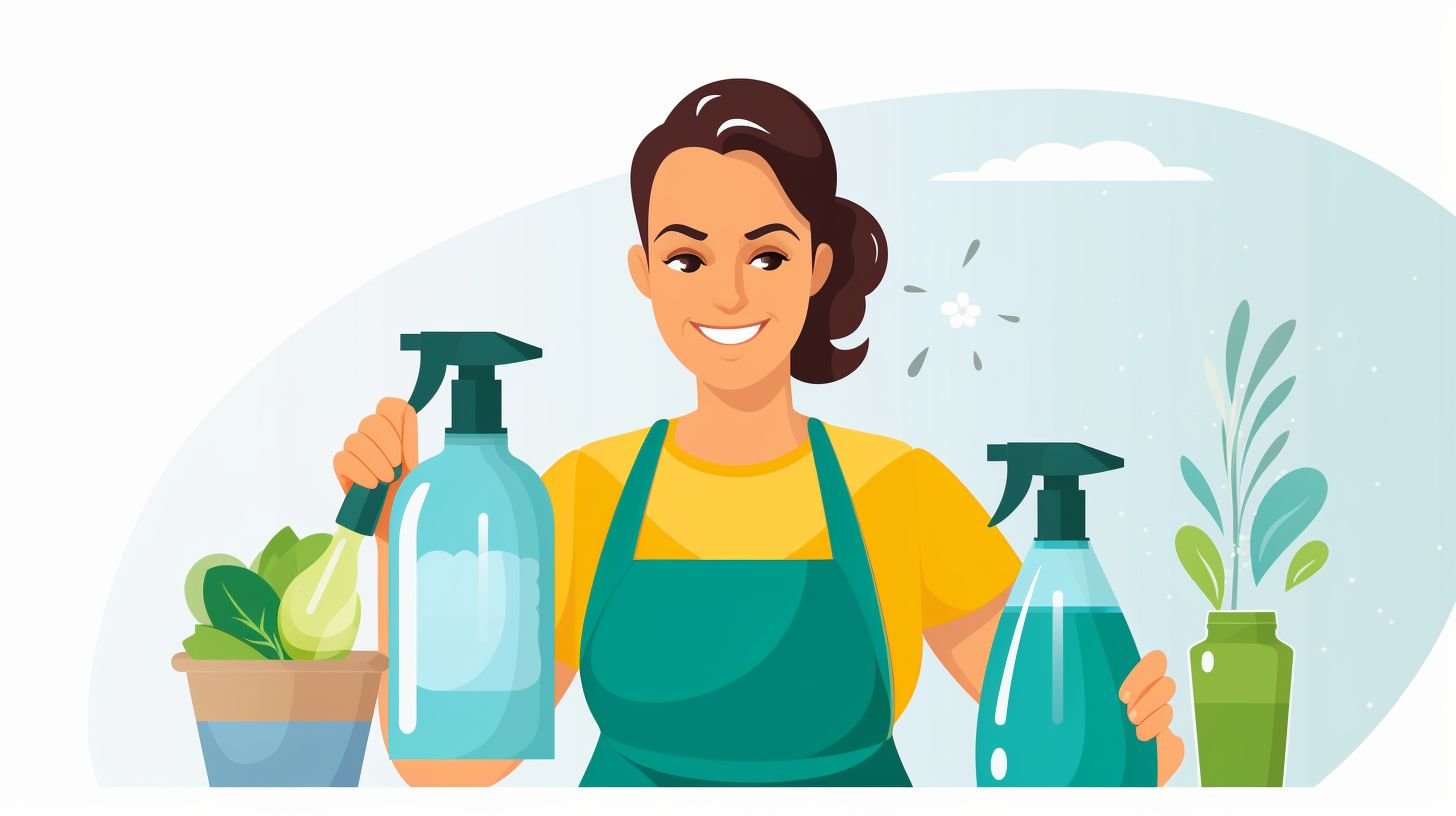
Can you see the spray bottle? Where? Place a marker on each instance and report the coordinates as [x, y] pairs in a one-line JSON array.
[[1049, 713], [470, 575]]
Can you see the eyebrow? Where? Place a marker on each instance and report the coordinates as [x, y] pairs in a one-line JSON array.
[[696, 235], [766, 229]]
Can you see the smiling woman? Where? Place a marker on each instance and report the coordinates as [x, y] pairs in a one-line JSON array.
[[744, 590]]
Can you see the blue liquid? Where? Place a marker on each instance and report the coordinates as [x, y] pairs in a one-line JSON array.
[[1058, 721]]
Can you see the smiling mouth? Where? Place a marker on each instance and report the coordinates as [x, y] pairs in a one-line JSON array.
[[730, 335]]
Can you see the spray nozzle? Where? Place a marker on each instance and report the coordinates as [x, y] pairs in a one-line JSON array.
[[1061, 506], [475, 399]]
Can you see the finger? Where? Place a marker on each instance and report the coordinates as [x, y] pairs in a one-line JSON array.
[[1170, 756], [1159, 694], [1153, 665], [370, 454], [1155, 723], [402, 416], [384, 435], [351, 471]]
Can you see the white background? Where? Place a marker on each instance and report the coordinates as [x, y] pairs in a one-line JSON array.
[[183, 185]]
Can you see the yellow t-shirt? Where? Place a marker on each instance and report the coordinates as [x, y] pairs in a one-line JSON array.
[[931, 553]]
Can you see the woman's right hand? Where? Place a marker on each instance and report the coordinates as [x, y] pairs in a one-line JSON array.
[[386, 439]]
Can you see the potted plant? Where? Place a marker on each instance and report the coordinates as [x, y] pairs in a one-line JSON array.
[[1241, 672], [269, 713]]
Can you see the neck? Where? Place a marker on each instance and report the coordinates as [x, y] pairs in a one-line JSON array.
[[746, 425]]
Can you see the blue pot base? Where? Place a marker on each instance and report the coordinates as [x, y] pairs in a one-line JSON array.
[[283, 754]]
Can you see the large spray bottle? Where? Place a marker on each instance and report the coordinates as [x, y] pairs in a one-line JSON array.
[[1050, 714], [470, 575]]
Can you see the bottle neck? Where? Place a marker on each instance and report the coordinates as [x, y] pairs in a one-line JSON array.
[[478, 442], [1061, 543], [1241, 627]]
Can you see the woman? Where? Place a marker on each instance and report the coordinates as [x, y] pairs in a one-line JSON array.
[[744, 589]]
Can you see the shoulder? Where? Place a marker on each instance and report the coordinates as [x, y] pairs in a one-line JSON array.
[[864, 455], [611, 457]]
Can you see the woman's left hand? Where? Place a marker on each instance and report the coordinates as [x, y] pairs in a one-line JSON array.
[[1146, 692]]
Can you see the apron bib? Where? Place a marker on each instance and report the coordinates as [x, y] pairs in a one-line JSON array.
[[738, 672]]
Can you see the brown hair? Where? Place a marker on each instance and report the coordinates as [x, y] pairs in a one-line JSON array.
[[746, 114]]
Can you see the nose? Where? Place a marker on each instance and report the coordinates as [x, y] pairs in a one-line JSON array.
[[728, 293]]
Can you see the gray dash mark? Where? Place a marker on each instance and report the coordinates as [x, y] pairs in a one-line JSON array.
[[919, 361], [1009, 318], [971, 253], [909, 288], [976, 360]]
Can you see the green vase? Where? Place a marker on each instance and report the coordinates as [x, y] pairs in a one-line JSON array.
[[1241, 675]]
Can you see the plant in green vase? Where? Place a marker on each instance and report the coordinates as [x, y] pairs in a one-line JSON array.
[[1241, 671]]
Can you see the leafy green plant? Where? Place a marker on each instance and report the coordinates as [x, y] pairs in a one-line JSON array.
[[1286, 509], [236, 607]]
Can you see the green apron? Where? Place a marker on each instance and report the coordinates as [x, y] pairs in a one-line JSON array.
[[738, 672]]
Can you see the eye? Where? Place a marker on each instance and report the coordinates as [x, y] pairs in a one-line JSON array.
[[685, 262], [768, 261]]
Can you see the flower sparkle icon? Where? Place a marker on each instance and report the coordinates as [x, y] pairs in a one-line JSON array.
[[961, 311]]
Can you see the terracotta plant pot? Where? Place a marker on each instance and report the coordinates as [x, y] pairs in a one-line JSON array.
[[283, 722], [1241, 677]]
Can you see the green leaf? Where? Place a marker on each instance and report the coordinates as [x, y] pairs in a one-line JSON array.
[[1234, 350], [1268, 355], [1266, 409], [1199, 557], [1306, 562], [289, 559], [192, 585], [243, 605], [211, 643], [1193, 477], [1264, 462], [1285, 511]]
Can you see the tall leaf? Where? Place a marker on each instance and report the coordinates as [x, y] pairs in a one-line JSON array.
[[1306, 562], [1200, 558], [1198, 486], [1264, 462], [1285, 511], [1268, 355], [243, 605], [1266, 409], [1234, 350]]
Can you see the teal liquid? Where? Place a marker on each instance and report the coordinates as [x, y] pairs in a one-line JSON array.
[[1060, 723]]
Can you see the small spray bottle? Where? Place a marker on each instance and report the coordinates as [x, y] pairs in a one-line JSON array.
[[1049, 713]]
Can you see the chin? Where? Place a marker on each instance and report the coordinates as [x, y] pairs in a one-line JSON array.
[[733, 375]]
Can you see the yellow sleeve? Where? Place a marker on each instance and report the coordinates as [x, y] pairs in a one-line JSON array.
[[963, 563], [583, 495]]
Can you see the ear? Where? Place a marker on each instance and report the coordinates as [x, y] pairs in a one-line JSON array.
[[637, 265], [823, 262]]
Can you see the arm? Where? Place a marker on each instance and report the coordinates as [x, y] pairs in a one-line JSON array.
[[964, 644]]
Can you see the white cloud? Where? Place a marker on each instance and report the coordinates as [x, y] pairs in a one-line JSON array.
[[1099, 161]]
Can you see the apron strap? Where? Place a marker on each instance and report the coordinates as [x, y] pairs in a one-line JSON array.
[[620, 546], [846, 543]]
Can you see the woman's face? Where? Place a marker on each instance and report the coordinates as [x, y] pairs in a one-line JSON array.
[[729, 265]]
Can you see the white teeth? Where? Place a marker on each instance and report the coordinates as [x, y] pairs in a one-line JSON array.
[[730, 336]]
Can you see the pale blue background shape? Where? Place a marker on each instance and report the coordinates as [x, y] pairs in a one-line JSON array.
[[1124, 288]]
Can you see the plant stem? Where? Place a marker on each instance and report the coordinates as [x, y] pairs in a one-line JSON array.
[[1233, 477]]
